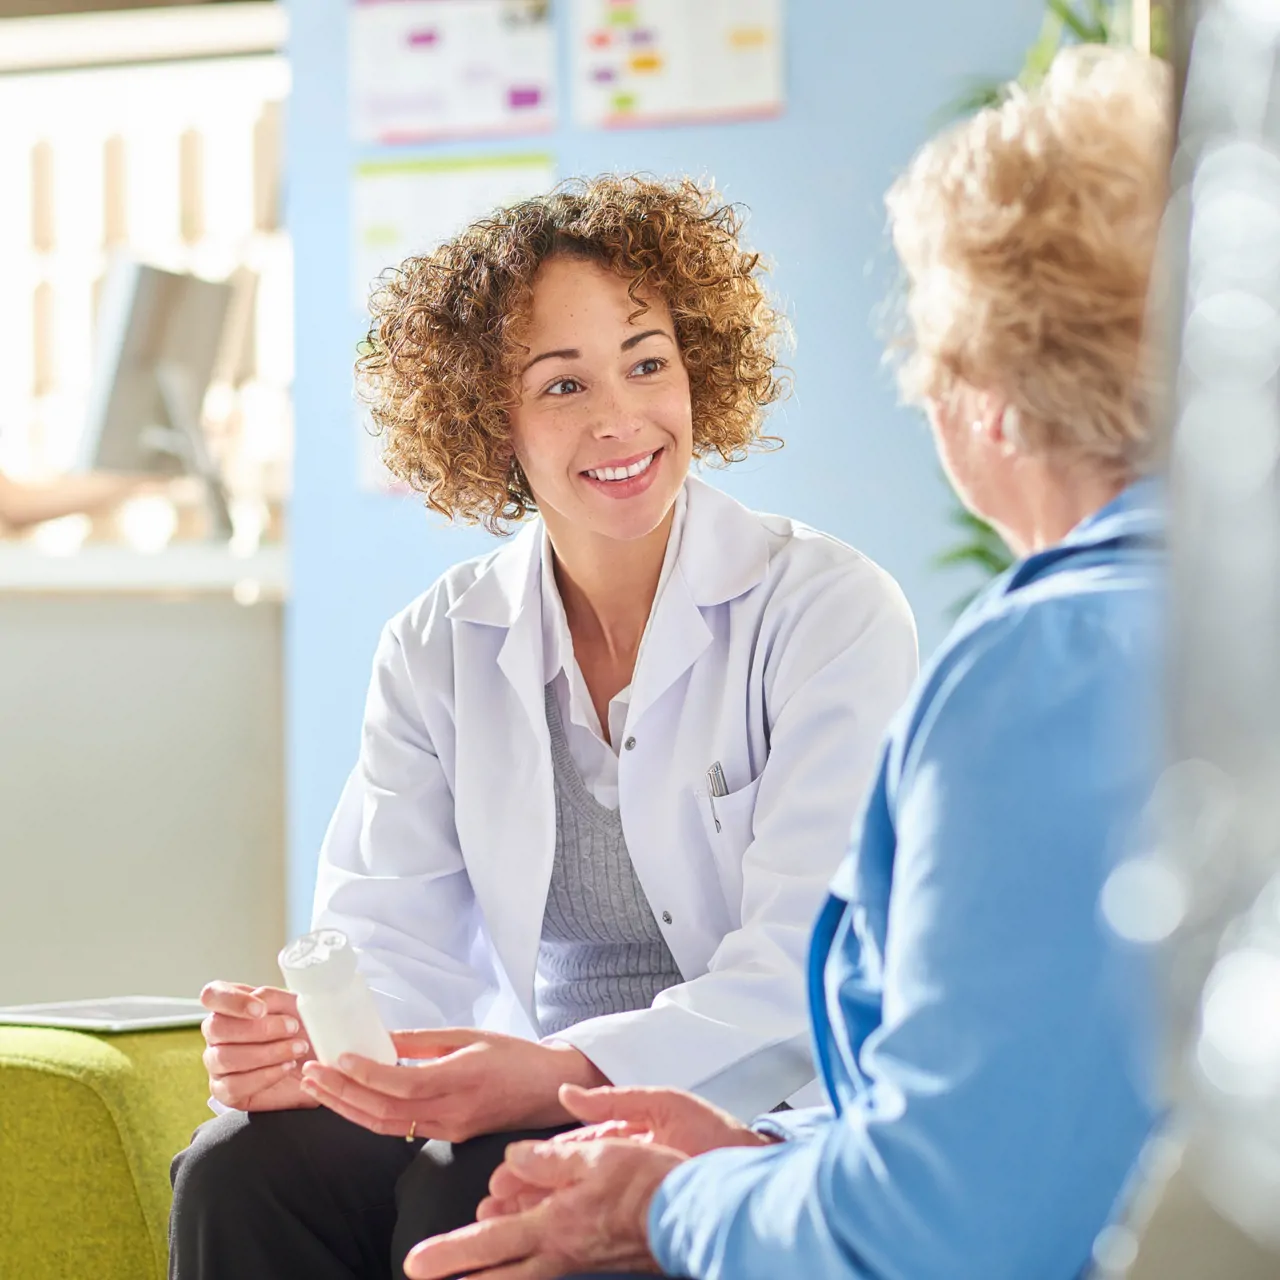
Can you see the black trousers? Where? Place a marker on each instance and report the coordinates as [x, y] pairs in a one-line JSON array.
[[278, 1195]]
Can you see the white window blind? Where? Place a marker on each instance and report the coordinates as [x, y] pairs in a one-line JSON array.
[[177, 163]]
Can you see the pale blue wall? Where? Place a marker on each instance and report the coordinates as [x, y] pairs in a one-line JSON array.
[[865, 82]]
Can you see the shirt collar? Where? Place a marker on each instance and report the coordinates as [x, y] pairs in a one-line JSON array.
[[557, 644], [722, 552], [1134, 517], [1136, 512]]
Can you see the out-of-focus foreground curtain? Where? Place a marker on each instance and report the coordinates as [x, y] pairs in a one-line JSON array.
[[1206, 892]]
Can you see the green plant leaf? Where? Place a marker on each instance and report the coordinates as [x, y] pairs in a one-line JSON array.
[[987, 559], [977, 528], [964, 602], [990, 554], [965, 518], [1043, 52], [1104, 17], [1160, 31], [980, 95], [1084, 31]]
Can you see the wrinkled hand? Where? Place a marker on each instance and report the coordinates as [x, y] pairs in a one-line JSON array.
[[254, 1046], [477, 1082], [594, 1216], [663, 1117], [668, 1117]]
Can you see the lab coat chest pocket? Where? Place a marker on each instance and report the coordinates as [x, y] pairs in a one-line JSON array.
[[728, 824]]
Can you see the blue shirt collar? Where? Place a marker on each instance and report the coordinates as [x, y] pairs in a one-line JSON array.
[[1133, 516], [1136, 512]]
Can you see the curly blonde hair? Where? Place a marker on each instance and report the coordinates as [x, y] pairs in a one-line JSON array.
[[439, 365], [1028, 235]]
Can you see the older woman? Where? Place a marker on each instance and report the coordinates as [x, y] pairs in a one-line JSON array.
[[980, 1036], [606, 770]]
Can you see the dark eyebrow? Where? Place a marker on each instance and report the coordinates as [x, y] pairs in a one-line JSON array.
[[640, 337], [569, 353], [572, 353]]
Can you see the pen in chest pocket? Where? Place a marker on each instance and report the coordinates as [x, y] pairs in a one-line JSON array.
[[716, 786]]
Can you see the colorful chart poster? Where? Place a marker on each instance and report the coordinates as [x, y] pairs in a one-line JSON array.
[[653, 62], [401, 208], [421, 70], [406, 207]]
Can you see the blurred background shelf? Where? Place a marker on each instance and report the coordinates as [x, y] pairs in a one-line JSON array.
[[197, 568]]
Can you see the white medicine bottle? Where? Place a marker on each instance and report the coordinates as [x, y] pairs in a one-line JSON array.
[[334, 1002]]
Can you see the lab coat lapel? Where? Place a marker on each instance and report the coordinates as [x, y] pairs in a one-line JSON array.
[[678, 635], [524, 834], [507, 594], [723, 553], [520, 660], [511, 855]]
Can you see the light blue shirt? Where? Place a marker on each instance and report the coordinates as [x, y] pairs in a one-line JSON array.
[[984, 1041]]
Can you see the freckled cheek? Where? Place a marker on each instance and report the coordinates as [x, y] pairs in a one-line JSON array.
[[681, 427], [674, 415], [549, 444]]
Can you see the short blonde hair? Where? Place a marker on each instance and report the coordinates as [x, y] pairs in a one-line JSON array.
[[1028, 235]]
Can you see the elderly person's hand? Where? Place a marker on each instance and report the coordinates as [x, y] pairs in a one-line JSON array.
[[668, 1117], [663, 1117], [477, 1082], [594, 1217]]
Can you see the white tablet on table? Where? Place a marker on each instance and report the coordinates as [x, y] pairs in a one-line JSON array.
[[108, 1013]]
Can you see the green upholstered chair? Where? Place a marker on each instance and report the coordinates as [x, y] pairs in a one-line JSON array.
[[88, 1125]]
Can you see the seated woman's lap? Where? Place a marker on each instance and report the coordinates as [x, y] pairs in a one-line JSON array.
[[277, 1193], [443, 1186], [282, 1192]]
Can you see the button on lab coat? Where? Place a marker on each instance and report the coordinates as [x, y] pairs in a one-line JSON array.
[[774, 650]]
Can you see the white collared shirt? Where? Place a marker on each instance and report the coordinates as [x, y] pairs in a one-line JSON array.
[[594, 758]]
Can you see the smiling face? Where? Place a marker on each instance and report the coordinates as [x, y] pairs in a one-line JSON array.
[[604, 427]]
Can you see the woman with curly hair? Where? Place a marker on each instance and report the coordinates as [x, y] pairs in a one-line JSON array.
[[606, 771]]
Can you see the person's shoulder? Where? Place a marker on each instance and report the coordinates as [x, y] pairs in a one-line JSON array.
[[1067, 616], [805, 562], [427, 618], [1066, 641], [794, 544]]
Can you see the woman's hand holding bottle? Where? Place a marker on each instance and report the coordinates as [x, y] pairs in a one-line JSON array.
[[255, 1047]]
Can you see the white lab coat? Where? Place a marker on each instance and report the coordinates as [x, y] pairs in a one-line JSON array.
[[773, 649]]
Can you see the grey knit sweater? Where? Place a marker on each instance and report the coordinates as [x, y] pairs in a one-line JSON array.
[[602, 950]]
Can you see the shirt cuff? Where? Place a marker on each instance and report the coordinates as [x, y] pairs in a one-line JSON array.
[[795, 1125], [689, 1201]]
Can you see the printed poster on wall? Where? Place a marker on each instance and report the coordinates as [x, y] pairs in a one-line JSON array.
[[422, 70], [655, 62], [401, 208]]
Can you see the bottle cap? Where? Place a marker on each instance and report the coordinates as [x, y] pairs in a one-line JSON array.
[[317, 962]]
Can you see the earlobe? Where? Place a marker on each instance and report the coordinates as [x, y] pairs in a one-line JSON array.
[[1010, 424]]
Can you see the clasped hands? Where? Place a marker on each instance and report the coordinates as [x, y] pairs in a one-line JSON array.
[[580, 1201]]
